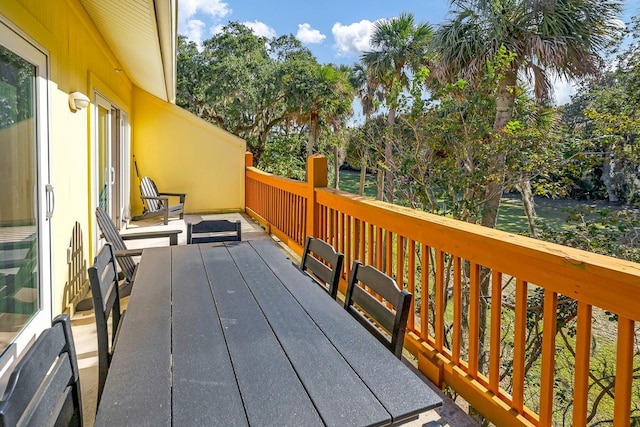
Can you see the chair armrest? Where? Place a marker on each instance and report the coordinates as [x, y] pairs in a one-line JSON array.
[[181, 195], [155, 198], [172, 194], [171, 234], [127, 252]]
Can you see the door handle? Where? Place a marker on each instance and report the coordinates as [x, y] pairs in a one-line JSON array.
[[50, 200], [112, 175]]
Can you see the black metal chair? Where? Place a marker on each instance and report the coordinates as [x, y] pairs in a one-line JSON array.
[[219, 230], [158, 203], [315, 257], [388, 325], [44, 387], [124, 255], [103, 277]]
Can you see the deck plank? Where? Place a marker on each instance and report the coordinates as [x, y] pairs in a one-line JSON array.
[[148, 366], [339, 394], [205, 391], [272, 392]]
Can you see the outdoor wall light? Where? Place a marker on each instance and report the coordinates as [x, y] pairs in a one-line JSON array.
[[78, 101]]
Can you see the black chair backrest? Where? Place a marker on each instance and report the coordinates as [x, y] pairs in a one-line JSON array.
[[220, 230], [393, 322], [315, 257], [111, 235], [148, 188], [44, 387], [105, 292]]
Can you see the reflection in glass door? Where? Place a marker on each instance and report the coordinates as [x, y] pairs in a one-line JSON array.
[[25, 283], [103, 157], [111, 138]]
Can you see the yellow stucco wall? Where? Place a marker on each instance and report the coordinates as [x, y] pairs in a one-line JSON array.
[[183, 153]]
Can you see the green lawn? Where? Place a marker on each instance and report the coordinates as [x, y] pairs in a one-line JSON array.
[[511, 217]]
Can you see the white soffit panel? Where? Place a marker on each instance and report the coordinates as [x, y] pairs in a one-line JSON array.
[[129, 28]]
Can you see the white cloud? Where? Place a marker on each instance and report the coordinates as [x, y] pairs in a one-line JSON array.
[[563, 90], [260, 29], [306, 34], [353, 39], [193, 30], [216, 29], [214, 8], [191, 14]]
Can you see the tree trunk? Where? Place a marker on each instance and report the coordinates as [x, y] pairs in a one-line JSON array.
[[313, 132], [363, 174], [607, 174], [524, 187], [493, 194], [495, 187], [380, 179], [336, 165], [388, 156]]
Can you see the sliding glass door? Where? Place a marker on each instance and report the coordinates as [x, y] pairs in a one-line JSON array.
[[111, 160]]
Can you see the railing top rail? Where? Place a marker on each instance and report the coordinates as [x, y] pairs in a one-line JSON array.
[[599, 280], [297, 187]]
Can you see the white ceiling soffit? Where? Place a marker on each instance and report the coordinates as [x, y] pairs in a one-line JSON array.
[[142, 35]]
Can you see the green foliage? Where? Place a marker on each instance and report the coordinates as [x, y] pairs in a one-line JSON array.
[[16, 88], [284, 156], [604, 118], [604, 231], [261, 89], [563, 37], [448, 143]]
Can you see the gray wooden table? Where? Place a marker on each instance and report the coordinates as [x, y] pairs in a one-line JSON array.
[[235, 334]]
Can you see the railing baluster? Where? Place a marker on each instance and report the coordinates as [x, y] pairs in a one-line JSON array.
[[411, 282], [457, 311], [334, 228], [388, 247], [424, 292], [362, 244], [439, 295], [496, 318], [520, 330], [583, 350], [370, 244], [379, 248], [548, 356], [624, 372], [400, 261], [474, 318], [348, 249]]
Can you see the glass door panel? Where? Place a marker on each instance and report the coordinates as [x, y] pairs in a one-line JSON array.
[[104, 166], [111, 145], [25, 295]]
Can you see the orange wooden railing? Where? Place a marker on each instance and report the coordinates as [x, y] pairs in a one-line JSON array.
[[456, 257]]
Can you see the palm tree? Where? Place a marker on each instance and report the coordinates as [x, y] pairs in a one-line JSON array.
[[369, 93], [549, 38], [399, 46]]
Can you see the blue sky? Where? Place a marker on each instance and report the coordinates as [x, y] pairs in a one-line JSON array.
[[336, 31]]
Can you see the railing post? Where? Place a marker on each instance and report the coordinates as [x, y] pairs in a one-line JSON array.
[[316, 178], [248, 162]]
